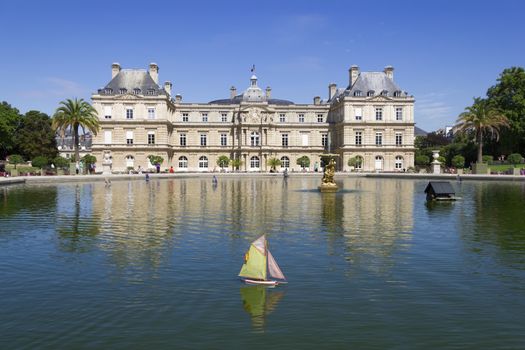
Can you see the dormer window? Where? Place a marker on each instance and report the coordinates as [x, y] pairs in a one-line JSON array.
[[384, 93], [397, 93], [151, 92], [370, 93], [136, 91], [123, 91], [357, 93], [108, 91]]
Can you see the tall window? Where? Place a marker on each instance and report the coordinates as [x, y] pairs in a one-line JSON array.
[[224, 139], [358, 138], [185, 117], [107, 112], [284, 140], [151, 113], [129, 137], [255, 138], [129, 113], [182, 138], [107, 137], [358, 113], [304, 139], [379, 138], [183, 162], [399, 139], [324, 140], [130, 161], [320, 118], [224, 117], [379, 113], [254, 162], [205, 117], [151, 138], [399, 113], [204, 140], [399, 163], [282, 118], [285, 162], [301, 118], [203, 162]]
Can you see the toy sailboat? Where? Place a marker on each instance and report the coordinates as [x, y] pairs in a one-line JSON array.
[[260, 266]]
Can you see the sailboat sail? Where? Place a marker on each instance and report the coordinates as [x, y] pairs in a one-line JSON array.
[[255, 261], [273, 268]]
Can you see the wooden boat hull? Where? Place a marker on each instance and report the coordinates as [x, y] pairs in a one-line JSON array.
[[259, 282]]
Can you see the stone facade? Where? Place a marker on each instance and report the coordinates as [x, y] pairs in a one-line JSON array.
[[371, 119]]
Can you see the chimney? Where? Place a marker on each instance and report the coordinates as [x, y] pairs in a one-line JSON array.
[[331, 90], [178, 98], [354, 73], [268, 93], [154, 72], [167, 87], [389, 71], [233, 92], [115, 69], [317, 100]]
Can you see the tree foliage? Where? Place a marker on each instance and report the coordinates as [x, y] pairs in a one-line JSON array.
[[458, 161], [514, 158], [236, 163], [16, 159], [35, 136], [9, 122], [422, 160], [274, 163], [479, 120], [89, 159], [303, 162], [39, 162], [61, 162], [154, 160], [76, 114], [223, 161]]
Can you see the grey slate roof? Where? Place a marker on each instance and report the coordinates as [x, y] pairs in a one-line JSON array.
[[419, 132], [239, 98], [131, 79], [440, 187]]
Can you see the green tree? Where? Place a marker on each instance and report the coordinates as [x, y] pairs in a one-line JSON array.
[[514, 158], [236, 163], [35, 136], [16, 159], [39, 162], [9, 122], [274, 163], [422, 160], [155, 159], [61, 162], [223, 161], [458, 161], [487, 159], [481, 119], [508, 95], [76, 114], [303, 162]]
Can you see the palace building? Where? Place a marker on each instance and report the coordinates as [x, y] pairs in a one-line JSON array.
[[371, 120]]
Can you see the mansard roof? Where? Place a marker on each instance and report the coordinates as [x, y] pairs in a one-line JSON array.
[[378, 82], [131, 80], [239, 98]]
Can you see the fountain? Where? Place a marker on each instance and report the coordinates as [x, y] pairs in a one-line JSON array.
[[328, 184]]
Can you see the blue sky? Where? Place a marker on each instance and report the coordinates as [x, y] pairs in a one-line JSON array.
[[444, 52]]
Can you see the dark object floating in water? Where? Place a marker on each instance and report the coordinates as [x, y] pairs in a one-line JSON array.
[[440, 191]]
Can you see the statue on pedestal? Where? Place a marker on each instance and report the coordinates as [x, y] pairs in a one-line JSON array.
[[107, 164], [327, 183]]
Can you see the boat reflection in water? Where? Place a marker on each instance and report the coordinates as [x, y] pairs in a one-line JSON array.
[[259, 302]]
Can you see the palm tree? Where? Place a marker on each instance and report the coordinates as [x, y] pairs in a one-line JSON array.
[[274, 163], [479, 119], [76, 114]]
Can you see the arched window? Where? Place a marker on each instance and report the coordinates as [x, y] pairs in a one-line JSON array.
[[151, 92], [359, 162], [255, 138], [370, 93], [123, 91], [203, 162], [183, 162], [285, 162], [384, 93], [136, 91], [397, 93], [108, 91], [379, 163], [254, 162], [357, 93], [399, 163], [130, 161]]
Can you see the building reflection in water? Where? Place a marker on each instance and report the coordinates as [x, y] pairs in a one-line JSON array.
[[259, 302]]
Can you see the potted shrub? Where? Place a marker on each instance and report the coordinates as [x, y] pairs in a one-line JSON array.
[[458, 162], [61, 164], [303, 162], [15, 159], [514, 159], [40, 162]]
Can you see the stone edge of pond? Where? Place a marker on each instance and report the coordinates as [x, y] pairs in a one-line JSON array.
[[124, 177]]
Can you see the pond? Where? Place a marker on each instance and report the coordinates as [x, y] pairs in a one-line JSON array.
[[154, 265]]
